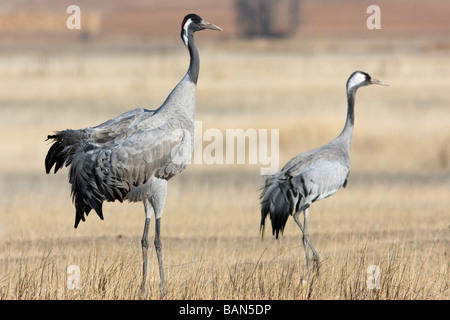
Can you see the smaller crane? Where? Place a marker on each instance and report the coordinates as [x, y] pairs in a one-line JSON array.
[[312, 175]]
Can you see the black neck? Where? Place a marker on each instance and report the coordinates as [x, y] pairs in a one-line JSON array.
[[351, 107], [194, 64], [348, 128]]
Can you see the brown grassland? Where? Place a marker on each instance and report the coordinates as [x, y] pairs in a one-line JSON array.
[[394, 212]]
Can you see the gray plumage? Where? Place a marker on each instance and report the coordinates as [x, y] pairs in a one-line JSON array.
[[131, 157], [312, 175]]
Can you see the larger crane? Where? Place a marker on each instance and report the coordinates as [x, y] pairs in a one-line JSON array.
[[312, 175], [132, 157]]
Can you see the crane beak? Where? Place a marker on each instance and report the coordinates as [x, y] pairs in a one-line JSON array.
[[207, 25], [375, 81]]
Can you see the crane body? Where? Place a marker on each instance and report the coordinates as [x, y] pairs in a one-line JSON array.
[[312, 175], [132, 157]]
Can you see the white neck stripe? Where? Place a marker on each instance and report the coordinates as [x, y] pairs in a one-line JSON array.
[[356, 80], [185, 28]]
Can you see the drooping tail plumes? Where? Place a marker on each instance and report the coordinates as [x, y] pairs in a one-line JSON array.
[[65, 144], [64, 152], [278, 200], [85, 192]]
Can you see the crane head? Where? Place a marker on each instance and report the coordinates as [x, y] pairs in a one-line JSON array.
[[360, 79], [192, 23]]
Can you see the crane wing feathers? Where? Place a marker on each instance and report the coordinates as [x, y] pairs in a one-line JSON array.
[[109, 160], [334, 151], [285, 193], [320, 180], [123, 126], [134, 160]]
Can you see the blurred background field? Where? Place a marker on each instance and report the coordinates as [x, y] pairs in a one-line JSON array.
[[395, 211]]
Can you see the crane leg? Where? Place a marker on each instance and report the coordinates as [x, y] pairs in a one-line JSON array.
[[144, 244], [305, 239], [306, 242], [158, 200], [158, 247]]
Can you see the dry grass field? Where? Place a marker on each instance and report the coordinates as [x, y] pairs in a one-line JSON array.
[[394, 213]]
